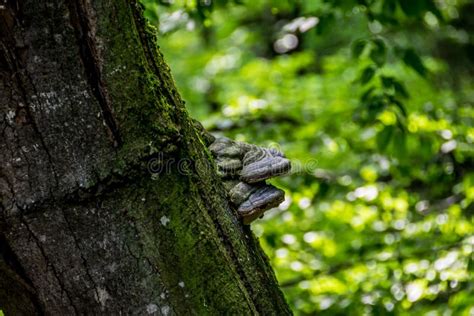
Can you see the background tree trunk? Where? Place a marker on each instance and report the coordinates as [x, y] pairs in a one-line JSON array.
[[87, 102]]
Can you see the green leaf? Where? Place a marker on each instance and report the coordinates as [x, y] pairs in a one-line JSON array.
[[413, 7], [399, 144], [411, 59], [400, 90], [431, 6], [389, 82], [389, 7], [383, 137], [400, 106], [375, 105], [367, 94], [358, 47], [378, 52], [416, 8], [367, 74], [324, 23], [164, 3], [323, 189]]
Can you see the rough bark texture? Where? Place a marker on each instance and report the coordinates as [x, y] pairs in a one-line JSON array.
[[87, 102]]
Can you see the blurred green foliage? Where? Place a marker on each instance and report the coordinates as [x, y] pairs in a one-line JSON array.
[[373, 102]]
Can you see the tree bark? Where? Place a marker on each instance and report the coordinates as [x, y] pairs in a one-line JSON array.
[[88, 107]]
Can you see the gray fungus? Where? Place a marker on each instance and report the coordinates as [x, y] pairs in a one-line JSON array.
[[244, 168]]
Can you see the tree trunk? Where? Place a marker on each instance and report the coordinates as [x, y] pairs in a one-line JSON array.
[[88, 109]]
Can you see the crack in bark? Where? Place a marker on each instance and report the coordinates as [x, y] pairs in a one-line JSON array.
[[9, 186], [108, 184], [137, 231], [35, 126], [80, 19], [15, 75], [84, 261], [53, 269], [13, 262], [137, 259], [140, 25]]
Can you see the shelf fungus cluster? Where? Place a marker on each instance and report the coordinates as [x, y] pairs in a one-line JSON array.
[[244, 168]]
